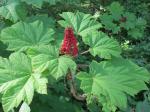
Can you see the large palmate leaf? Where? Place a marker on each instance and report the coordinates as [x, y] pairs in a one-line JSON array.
[[39, 3], [101, 45], [13, 10], [47, 21], [114, 79], [22, 36], [17, 81], [47, 57], [36, 3], [82, 23]]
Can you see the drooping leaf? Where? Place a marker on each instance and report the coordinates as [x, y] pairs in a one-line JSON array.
[[47, 57], [22, 36], [80, 22], [13, 10], [16, 81], [114, 79], [101, 45]]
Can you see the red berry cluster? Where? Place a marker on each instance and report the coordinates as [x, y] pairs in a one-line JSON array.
[[69, 45]]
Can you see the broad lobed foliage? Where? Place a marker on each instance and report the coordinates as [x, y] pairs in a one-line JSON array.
[[35, 64]]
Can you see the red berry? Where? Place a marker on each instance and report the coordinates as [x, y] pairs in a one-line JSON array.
[[69, 45]]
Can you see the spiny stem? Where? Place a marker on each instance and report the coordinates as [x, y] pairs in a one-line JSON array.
[[73, 90]]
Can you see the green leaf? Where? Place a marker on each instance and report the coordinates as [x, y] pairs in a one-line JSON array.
[[135, 33], [141, 22], [13, 10], [47, 58], [47, 21], [50, 103], [17, 82], [138, 31], [40, 83], [22, 36], [12, 69], [70, 1], [114, 79], [36, 3], [25, 108], [101, 45], [39, 3], [80, 22], [111, 18], [107, 20], [143, 106], [130, 22], [59, 37], [116, 10]]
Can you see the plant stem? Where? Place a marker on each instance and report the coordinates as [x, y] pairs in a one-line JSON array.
[[82, 65], [73, 90], [84, 52]]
